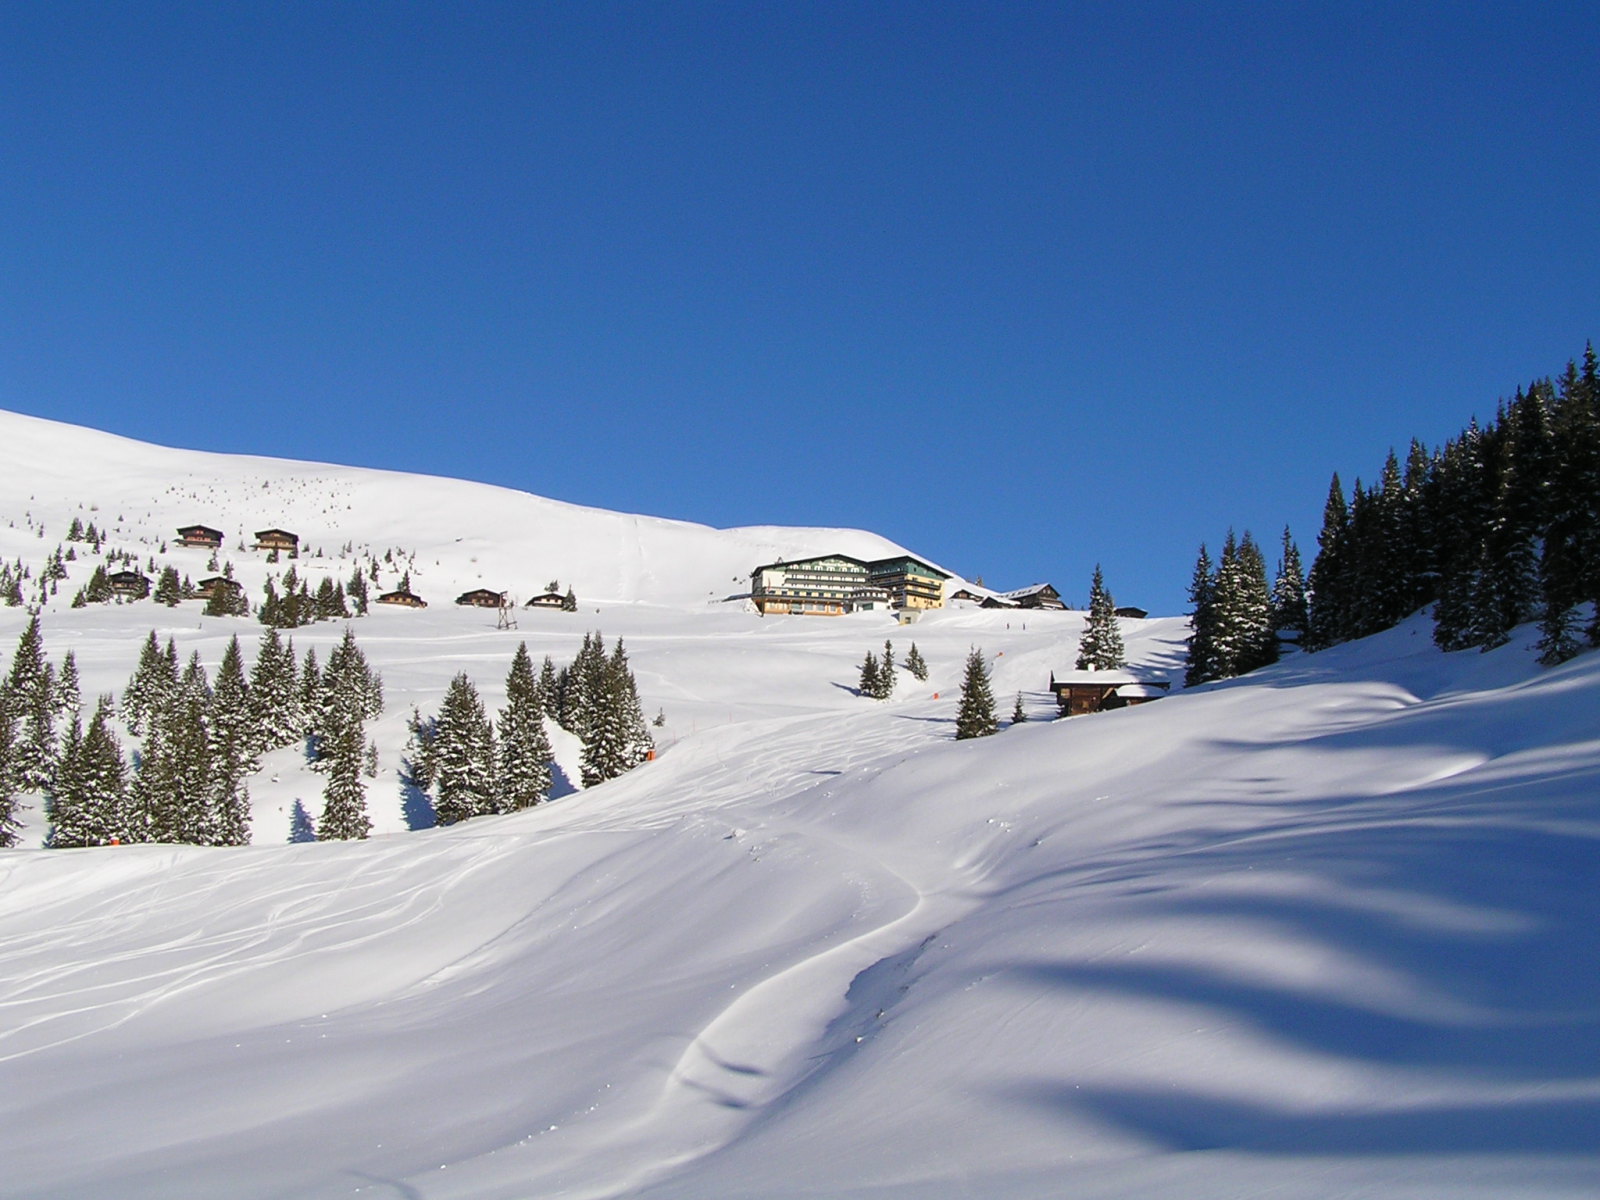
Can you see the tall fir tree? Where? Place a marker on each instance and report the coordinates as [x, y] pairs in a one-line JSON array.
[[1328, 620], [10, 803], [1202, 662], [916, 665], [976, 717], [524, 747], [344, 799], [1289, 611], [1100, 648], [886, 679], [462, 757], [868, 684]]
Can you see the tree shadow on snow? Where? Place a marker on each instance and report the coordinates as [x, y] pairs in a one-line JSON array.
[[301, 827], [414, 802], [560, 784]]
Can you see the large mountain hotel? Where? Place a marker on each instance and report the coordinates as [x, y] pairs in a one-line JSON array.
[[833, 584]]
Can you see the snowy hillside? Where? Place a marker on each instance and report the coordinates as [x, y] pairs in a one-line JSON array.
[[1329, 930]]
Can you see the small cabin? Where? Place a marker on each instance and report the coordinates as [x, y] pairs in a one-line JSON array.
[[206, 587], [1081, 692], [1040, 595], [278, 539], [553, 600], [131, 584], [202, 536], [482, 598], [1136, 614], [403, 599]]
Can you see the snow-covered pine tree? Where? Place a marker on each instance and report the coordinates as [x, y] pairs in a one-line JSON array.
[[975, 717], [1289, 612], [68, 698], [274, 705], [309, 697], [1202, 666], [1018, 713], [569, 602], [344, 799], [524, 747], [169, 589], [1101, 646], [886, 680], [30, 691], [549, 692], [869, 685], [618, 739], [10, 805], [916, 665], [462, 755], [89, 804], [233, 736], [1327, 620]]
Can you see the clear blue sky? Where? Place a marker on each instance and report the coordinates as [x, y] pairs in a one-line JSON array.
[[1022, 286]]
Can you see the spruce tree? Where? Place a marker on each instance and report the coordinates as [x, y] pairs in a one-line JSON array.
[[461, 757], [10, 806], [1202, 664], [30, 689], [976, 717], [524, 747], [1100, 648], [886, 678], [916, 665], [870, 686], [344, 799], [1328, 620], [1289, 611], [169, 590], [234, 739], [1018, 713], [618, 738]]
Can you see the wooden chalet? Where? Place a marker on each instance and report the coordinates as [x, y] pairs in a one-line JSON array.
[[553, 600], [1128, 610], [132, 584], [1039, 595], [203, 536], [403, 599], [277, 539], [1082, 692], [482, 598], [204, 589]]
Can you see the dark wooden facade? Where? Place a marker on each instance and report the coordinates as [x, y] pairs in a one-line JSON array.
[[200, 535], [130, 584], [553, 600], [1128, 610], [1081, 692], [482, 598], [206, 587], [403, 599], [277, 539]]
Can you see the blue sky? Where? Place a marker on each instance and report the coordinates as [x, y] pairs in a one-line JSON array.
[[1025, 287]]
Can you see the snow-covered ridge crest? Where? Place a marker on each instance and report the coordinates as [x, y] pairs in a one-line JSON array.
[[464, 534]]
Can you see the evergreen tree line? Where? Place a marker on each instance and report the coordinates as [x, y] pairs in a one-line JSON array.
[[1237, 621], [199, 741], [1499, 526], [478, 767], [298, 605]]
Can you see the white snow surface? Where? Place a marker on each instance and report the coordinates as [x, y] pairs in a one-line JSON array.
[[1327, 931]]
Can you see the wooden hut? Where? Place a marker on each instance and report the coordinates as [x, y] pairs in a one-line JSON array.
[[204, 589], [202, 536], [278, 539], [132, 584], [1081, 692], [554, 600], [403, 599], [482, 598], [1039, 595], [1128, 610]]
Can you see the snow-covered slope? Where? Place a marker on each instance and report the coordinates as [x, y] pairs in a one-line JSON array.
[[461, 535], [1327, 931]]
